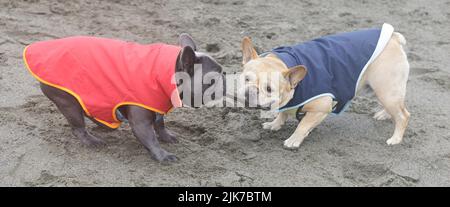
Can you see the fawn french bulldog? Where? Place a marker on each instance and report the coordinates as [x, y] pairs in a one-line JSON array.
[[111, 81], [322, 76]]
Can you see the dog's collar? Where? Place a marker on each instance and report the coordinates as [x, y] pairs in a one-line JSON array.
[[299, 114]]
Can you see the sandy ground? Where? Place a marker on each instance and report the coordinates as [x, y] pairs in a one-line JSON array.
[[227, 146]]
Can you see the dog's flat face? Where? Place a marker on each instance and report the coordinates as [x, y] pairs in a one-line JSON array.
[[200, 77], [264, 85], [268, 83]]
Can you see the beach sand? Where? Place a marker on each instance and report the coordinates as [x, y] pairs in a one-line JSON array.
[[227, 146]]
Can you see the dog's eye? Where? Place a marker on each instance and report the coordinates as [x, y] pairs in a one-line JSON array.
[[269, 89], [247, 79]]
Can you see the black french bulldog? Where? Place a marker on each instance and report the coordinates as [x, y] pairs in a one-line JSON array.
[[146, 125]]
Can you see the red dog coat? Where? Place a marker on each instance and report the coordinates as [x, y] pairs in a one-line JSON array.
[[104, 74]]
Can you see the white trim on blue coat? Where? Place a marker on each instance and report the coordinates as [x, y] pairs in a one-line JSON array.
[[386, 33], [307, 101]]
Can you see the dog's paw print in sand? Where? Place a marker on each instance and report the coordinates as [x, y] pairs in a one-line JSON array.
[[345, 14], [21, 117], [7, 114], [270, 35], [441, 43], [26, 37], [223, 2], [215, 2], [419, 16], [415, 72], [363, 173], [31, 1], [242, 22], [39, 105], [189, 134], [420, 12], [337, 152], [397, 180], [349, 19], [17, 3], [439, 79], [414, 57], [399, 175], [364, 105], [234, 179], [47, 179], [158, 22], [213, 47], [3, 58], [380, 175], [211, 22], [62, 7], [161, 22], [39, 118]]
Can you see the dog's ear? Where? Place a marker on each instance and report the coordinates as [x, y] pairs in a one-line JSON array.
[[248, 52], [187, 59], [295, 75], [186, 40]]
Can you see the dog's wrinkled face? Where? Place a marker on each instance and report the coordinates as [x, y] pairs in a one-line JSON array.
[[268, 83], [199, 76]]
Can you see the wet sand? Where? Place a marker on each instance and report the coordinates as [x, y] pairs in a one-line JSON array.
[[227, 146]]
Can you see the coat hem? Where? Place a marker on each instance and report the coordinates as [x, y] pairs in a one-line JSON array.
[[307, 101]]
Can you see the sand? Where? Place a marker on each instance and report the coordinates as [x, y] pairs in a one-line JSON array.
[[227, 146]]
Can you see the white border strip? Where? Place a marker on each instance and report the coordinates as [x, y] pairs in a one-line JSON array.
[[305, 102], [386, 33]]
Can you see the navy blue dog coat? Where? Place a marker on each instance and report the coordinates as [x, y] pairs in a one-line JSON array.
[[335, 64]]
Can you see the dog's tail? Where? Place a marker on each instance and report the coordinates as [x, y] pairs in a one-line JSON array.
[[400, 38]]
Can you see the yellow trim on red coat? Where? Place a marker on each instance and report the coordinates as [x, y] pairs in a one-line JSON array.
[[80, 101], [136, 104]]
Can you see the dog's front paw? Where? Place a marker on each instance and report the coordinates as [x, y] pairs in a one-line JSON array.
[[394, 141], [274, 126], [292, 143], [165, 157]]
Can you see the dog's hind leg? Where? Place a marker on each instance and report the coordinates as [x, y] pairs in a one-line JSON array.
[[382, 115], [395, 106], [142, 124], [71, 109], [388, 76]]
